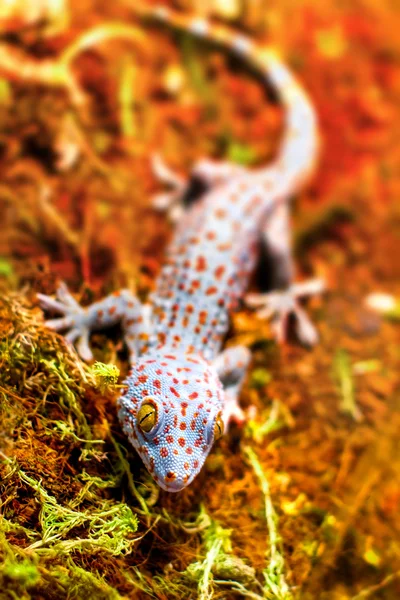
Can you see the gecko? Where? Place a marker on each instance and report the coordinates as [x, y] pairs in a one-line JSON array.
[[183, 387]]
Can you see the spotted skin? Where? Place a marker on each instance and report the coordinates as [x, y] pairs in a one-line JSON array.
[[180, 374]]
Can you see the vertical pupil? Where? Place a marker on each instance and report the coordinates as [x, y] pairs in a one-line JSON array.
[[146, 416]]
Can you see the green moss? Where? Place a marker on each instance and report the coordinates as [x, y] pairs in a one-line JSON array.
[[23, 573], [106, 376]]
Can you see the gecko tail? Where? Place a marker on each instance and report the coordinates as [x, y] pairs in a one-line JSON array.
[[299, 148]]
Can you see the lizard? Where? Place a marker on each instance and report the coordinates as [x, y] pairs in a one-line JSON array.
[[182, 388]]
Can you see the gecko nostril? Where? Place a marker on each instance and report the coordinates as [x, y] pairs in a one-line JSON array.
[[170, 476]]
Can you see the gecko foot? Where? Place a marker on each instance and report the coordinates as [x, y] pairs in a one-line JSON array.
[[280, 306], [232, 412], [74, 319], [171, 201]]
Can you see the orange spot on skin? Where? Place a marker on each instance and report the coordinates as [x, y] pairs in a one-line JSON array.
[[170, 439], [193, 360], [201, 264], [211, 235], [211, 290], [157, 384], [220, 213], [112, 310], [196, 464], [173, 391], [219, 271], [189, 450], [164, 452], [193, 396], [170, 476], [142, 378], [186, 466], [181, 442], [182, 426], [203, 317], [224, 247], [100, 313]]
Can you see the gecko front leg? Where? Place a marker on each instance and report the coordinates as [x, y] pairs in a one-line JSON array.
[[122, 306], [231, 366]]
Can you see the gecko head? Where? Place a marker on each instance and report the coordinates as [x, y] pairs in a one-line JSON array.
[[172, 414]]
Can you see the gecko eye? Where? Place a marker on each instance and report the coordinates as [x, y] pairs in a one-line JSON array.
[[218, 427], [147, 415]]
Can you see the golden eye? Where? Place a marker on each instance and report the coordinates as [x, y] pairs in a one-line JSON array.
[[218, 427], [147, 415]]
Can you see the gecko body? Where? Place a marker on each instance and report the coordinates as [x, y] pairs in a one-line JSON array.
[[182, 389]]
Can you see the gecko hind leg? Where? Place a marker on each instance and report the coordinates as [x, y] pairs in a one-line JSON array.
[[281, 304], [183, 191], [231, 366], [121, 307]]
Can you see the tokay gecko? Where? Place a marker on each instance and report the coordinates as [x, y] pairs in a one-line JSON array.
[[182, 389]]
